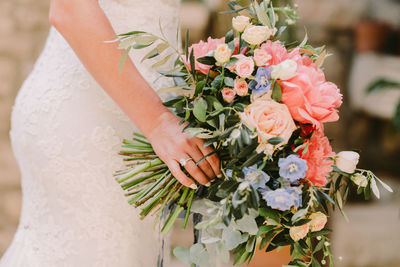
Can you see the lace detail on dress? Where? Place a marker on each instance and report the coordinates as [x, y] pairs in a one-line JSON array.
[[66, 134]]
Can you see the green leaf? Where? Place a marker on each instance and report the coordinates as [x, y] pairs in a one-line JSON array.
[[199, 87], [161, 62], [199, 254], [207, 60], [319, 246], [270, 215], [123, 59], [277, 92], [182, 254], [374, 188], [187, 44], [229, 82], [299, 215], [382, 84], [200, 109], [229, 36], [265, 229], [275, 140]]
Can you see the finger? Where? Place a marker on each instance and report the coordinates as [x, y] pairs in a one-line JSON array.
[[176, 171], [197, 155], [213, 159], [197, 173]]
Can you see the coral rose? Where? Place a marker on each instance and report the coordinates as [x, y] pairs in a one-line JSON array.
[[261, 57], [202, 49], [269, 119], [310, 98], [318, 159], [279, 53]]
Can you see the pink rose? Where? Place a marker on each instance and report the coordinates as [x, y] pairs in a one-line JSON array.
[[261, 57], [318, 221], [269, 119], [318, 159], [279, 53], [310, 98], [201, 49], [228, 94], [244, 67], [241, 87]]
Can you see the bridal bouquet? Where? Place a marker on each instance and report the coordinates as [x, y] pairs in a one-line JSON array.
[[262, 104]]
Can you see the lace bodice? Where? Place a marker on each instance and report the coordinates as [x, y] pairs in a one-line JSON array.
[[66, 134]]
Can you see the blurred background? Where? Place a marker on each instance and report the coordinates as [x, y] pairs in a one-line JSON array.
[[364, 38]]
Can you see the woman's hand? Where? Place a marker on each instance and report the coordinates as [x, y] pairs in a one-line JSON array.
[[172, 145]]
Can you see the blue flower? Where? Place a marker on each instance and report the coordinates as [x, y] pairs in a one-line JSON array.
[[262, 83], [292, 168], [296, 194], [229, 173], [279, 199], [256, 177]]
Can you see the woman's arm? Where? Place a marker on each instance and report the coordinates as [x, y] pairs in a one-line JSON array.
[[85, 26]]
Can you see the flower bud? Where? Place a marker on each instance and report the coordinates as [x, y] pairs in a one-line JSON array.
[[299, 232], [347, 161], [240, 23], [318, 221], [359, 180]]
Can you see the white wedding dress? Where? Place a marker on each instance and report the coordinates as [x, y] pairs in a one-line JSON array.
[[66, 135]]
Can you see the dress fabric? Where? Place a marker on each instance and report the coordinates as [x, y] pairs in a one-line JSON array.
[[66, 134]]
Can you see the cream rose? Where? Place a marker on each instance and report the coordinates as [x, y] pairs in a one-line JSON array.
[[255, 35], [285, 70], [261, 57], [347, 161], [244, 67], [318, 221], [269, 119], [359, 180], [240, 23], [299, 232], [222, 54]]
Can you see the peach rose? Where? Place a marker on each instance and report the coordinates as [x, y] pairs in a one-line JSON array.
[[318, 221], [244, 67], [299, 232], [240, 23], [228, 94], [241, 87], [261, 57], [269, 119], [318, 159], [310, 98]]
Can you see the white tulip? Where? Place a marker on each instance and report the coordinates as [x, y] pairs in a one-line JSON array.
[[285, 70], [347, 161], [240, 23]]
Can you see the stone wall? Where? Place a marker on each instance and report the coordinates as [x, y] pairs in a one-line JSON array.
[[23, 29]]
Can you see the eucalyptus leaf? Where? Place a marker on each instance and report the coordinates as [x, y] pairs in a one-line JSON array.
[[199, 254], [200, 109], [182, 254], [232, 238], [222, 252], [247, 224]]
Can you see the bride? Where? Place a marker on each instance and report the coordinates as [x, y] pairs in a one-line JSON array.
[[67, 124]]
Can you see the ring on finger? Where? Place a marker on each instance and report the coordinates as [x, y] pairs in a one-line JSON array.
[[183, 161]]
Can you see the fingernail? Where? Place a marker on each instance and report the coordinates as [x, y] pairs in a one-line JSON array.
[[219, 175], [193, 186], [208, 184]]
